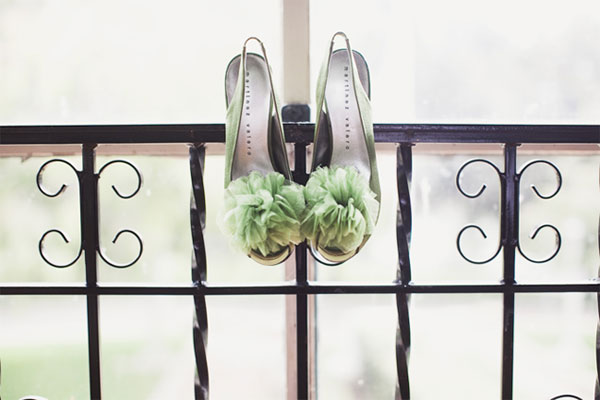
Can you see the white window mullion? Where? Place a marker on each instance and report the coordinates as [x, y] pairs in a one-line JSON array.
[[296, 54]]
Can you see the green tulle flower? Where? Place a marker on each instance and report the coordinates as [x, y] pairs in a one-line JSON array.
[[341, 208], [263, 213]]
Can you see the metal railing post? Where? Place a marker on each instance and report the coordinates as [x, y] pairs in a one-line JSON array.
[[88, 186]]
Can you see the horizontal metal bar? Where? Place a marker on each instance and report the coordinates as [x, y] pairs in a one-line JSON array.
[[453, 288], [311, 288], [182, 149], [298, 132]]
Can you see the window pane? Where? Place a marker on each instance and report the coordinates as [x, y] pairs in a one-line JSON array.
[[125, 61], [440, 212], [146, 347], [555, 338], [247, 347], [470, 61], [456, 346], [573, 212], [355, 346], [43, 344]]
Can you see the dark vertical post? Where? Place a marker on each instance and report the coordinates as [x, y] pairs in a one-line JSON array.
[[509, 231], [597, 386], [88, 200], [301, 298], [403, 234], [198, 223], [300, 113]]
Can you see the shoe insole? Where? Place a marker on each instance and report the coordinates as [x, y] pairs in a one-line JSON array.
[[251, 149], [349, 146]]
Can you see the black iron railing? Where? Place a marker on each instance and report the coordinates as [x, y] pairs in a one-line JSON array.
[[404, 135]]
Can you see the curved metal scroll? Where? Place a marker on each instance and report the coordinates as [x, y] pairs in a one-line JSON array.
[[544, 197], [473, 196], [460, 251], [40, 174], [556, 171], [198, 222], [533, 235], [141, 249], [484, 186], [137, 172], [403, 236], [566, 396], [55, 265], [129, 231], [39, 179]]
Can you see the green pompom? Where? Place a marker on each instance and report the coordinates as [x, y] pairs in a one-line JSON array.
[[263, 213], [341, 208]]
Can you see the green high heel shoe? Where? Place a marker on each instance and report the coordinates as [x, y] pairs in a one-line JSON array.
[[343, 193], [263, 206]]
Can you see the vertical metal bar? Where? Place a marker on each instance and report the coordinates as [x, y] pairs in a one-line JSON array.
[[291, 340], [403, 235], [88, 200], [300, 113], [312, 334], [290, 334], [198, 223], [597, 386], [509, 231], [301, 324], [301, 281]]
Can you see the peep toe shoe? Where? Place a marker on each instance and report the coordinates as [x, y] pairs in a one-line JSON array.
[[343, 193], [263, 207]]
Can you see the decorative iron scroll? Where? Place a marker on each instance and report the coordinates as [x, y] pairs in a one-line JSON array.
[[125, 197], [544, 197], [198, 223], [39, 179], [403, 235], [502, 179], [473, 196], [137, 173], [79, 174]]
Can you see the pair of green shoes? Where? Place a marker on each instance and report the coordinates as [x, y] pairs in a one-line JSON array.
[[266, 213]]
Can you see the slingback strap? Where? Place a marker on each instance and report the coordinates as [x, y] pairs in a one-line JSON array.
[[363, 105], [274, 96], [234, 114], [264, 55], [322, 80]]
